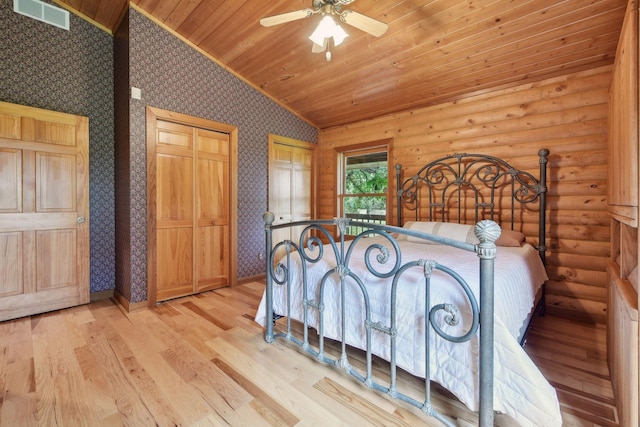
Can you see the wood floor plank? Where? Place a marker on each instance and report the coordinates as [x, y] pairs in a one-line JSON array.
[[70, 408], [131, 409], [261, 412], [356, 403], [20, 403], [267, 385], [44, 382], [20, 345], [97, 384], [178, 396], [202, 361], [266, 403]]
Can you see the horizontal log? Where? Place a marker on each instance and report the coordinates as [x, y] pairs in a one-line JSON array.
[[576, 290], [521, 153], [565, 217], [455, 143], [575, 246], [576, 173], [596, 203], [585, 262], [588, 277]]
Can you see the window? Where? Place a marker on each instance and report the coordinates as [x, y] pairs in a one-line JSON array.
[[364, 177]]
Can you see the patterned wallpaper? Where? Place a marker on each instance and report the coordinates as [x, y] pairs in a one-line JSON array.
[[70, 71], [174, 76], [73, 71]]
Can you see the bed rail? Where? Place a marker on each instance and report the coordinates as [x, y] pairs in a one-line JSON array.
[[310, 249]]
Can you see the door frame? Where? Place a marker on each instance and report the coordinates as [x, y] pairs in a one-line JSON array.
[[153, 115]]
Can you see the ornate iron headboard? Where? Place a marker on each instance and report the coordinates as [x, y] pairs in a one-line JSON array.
[[466, 187]]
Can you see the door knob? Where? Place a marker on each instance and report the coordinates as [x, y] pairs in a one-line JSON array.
[[80, 220]]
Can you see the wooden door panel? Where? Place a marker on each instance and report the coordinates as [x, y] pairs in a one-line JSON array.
[[174, 190], [56, 258], [10, 264], [11, 182], [174, 135], [281, 180], [44, 210], [301, 204], [9, 126], [212, 182], [281, 205], [55, 182], [54, 133], [213, 191], [302, 159], [213, 257], [175, 262], [282, 154], [213, 142]]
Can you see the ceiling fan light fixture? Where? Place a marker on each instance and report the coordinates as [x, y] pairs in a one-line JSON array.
[[328, 29]]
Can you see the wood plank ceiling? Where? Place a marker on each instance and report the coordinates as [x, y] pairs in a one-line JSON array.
[[433, 51]]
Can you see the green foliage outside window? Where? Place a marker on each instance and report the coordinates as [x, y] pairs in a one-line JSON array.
[[366, 179]]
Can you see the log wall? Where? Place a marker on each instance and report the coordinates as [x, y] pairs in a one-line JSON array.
[[567, 115]]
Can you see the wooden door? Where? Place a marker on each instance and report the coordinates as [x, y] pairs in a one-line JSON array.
[[175, 237], [213, 217], [290, 183], [44, 211], [191, 205]]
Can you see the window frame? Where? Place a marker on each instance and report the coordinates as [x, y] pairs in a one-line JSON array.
[[362, 149]]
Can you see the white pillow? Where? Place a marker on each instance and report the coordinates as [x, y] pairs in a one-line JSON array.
[[451, 230]]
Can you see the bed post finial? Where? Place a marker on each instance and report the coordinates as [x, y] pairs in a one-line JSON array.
[[543, 154], [268, 218], [487, 231]]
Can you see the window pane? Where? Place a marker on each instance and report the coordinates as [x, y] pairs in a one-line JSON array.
[[366, 174], [364, 181], [371, 205]]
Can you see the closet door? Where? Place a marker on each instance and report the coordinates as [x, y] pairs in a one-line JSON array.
[[192, 209], [175, 237], [44, 211], [212, 181], [290, 183]]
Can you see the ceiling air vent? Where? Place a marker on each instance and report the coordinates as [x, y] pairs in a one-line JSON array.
[[42, 12]]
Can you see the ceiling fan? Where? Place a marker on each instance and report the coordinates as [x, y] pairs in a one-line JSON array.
[[328, 30]]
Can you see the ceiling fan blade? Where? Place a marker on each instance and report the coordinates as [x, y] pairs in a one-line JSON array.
[[364, 23], [286, 17]]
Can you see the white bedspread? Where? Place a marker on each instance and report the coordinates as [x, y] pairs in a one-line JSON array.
[[520, 390]]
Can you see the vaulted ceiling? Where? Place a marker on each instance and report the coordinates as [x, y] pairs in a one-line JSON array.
[[433, 51]]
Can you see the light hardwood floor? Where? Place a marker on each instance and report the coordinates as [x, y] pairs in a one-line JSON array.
[[202, 361]]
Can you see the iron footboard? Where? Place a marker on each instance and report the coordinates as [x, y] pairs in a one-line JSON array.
[[317, 238]]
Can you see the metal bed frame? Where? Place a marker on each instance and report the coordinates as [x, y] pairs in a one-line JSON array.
[[447, 181]]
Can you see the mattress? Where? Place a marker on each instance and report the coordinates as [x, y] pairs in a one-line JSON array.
[[520, 390]]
